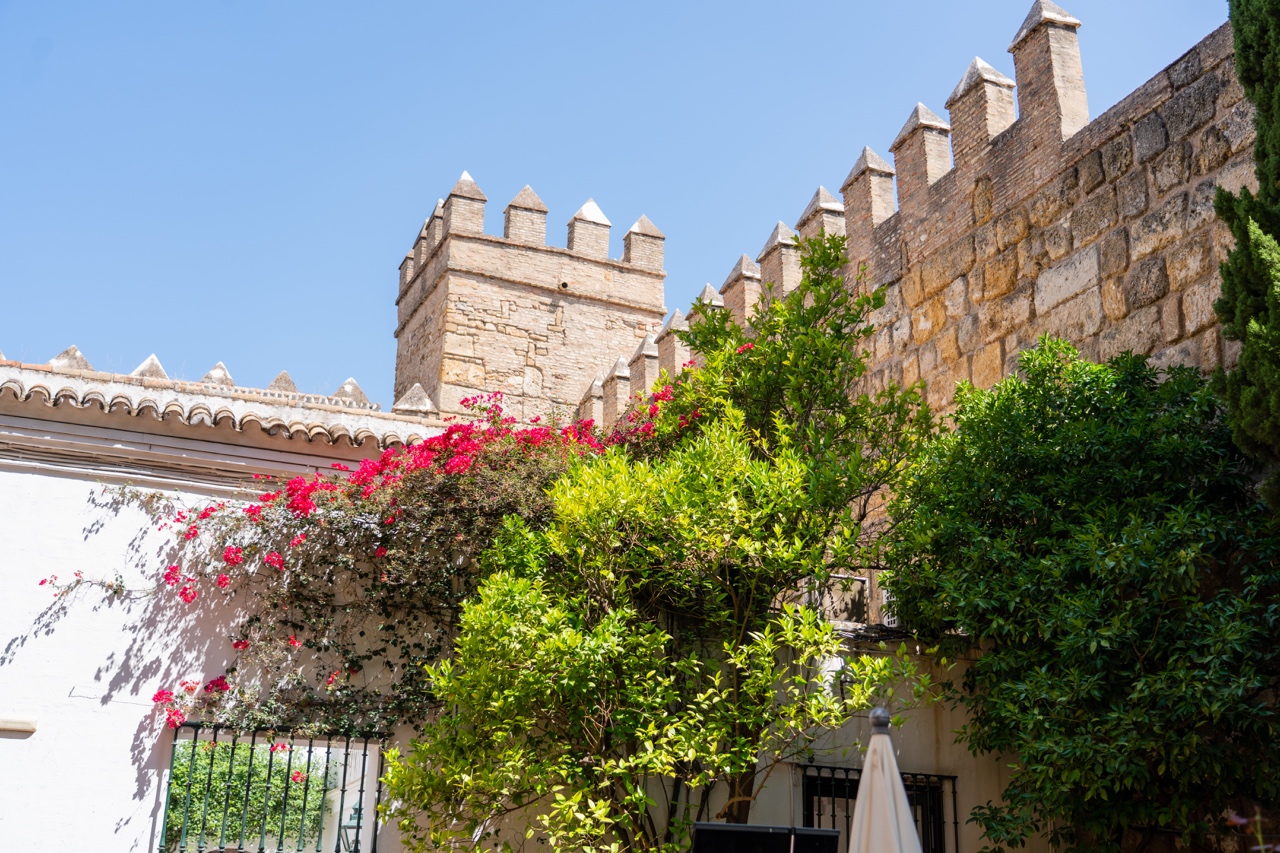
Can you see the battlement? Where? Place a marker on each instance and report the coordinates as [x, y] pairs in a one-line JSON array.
[[1014, 216], [1009, 223], [478, 312]]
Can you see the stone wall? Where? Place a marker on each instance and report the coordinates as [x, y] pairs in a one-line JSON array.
[[1100, 232], [1018, 216], [480, 313]]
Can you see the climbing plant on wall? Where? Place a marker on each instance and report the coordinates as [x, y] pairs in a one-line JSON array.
[[1250, 304]]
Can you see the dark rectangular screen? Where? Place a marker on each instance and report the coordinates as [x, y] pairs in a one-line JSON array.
[[746, 838]]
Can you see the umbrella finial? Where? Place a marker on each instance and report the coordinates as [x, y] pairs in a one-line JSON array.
[[879, 721]]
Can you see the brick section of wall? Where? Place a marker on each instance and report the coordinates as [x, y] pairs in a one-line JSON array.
[[1107, 238]]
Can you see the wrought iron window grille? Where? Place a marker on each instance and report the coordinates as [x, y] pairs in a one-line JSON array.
[[828, 795], [259, 792]]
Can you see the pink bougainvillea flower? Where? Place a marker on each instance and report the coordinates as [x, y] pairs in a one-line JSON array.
[[333, 676], [297, 540], [162, 696], [43, 581], [233, 556], [254, 511], [294, 641], [338, 466], [223, 581], [275, 560], [218, 684], [459, 464], [188, 593], [173, 575], [280, 747], [174, 718], [299, 777], [240, 645], [380, 551], [747, 347], [192, 532], [189, 686]]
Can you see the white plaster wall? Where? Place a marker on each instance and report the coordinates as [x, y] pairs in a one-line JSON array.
[[84, 669]]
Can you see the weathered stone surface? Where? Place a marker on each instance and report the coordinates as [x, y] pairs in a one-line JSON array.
[[1057, 240], [1076, 318], [1136, 333], [1066, 279], [999, 317], [1187, 352], [967, 335], [987, 365], [1189, 261], [1158, 228], [1192, 107], [1114, 253], [1094, 216], [1149, 137], [1090, 170], [982, 200], [956, 297], [1172, 168], [1197, 306], [1213, 151], [1132, 191], [1147, 282], [1170, 319], [944, 267], [1200, 206], [927, 320], [1011, 228], [1117, 157], [984, 242], [1185, 70], [947, 345], [912, 292], [999, 275]]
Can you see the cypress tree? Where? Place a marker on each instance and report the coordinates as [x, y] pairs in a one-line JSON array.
[[1250, 304]]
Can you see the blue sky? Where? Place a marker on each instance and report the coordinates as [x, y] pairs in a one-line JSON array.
[[237, 182]]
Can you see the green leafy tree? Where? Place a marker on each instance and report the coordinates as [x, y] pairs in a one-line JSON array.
[[662, 666], [1092, 531], [1250, 304]]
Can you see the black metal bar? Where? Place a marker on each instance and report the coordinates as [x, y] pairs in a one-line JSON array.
[[284, 802], [208, 784], [226, 802], [266, 798], [306, 790], [342, 796], [191, 772], [955, 814], [324, 791], [248, 785], [168, 791], [364, 766]]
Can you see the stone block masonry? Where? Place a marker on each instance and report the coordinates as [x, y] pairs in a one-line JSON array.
[[1102, 232], [481, 313], [1008, 224]]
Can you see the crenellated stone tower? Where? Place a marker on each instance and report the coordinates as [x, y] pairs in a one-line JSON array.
[[1016, 216], [480, 313]]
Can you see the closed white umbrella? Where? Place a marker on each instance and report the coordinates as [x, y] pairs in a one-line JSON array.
[[882, 821]]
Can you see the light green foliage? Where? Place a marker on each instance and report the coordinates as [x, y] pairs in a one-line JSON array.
[[207, 796], [642, 661], [1092, 530], [1250, 303]]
